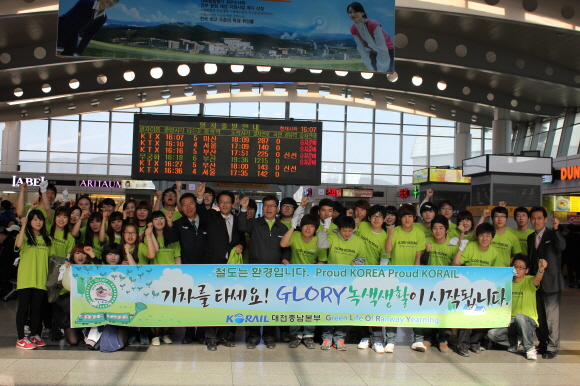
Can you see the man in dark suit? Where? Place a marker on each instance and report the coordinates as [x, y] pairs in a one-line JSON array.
[[222, 236], [547, 244]]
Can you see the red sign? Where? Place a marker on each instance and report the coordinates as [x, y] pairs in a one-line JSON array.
[[573, 219], [334, 192], [403, 193]]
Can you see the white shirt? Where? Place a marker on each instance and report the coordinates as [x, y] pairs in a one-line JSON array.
[[96, 12]]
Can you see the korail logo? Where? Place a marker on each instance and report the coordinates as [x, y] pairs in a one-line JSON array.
[[241, 318]]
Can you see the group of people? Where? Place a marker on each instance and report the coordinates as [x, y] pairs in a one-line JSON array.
[[206, 228]]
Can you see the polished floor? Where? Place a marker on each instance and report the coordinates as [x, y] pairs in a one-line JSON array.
[[176, 364]]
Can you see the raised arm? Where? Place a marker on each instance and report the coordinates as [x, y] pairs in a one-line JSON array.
[[102, 231], [389, 242], [542, 265], [178, 190], [20, 201], [157, 204], [20, 237]]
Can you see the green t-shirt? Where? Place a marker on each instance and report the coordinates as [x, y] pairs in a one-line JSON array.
[[97, 246], [303, 252], [288, 224], [344, 251], [33, 266], [60, 246], [333, 226], [374, 242], [166, 254], [474, 257], [141, 254], [452, 226], [507, 245], [176, 214], [441, 254], [523, 238], [455, 233], [49, 221], [524, 298], [421, 227], [406, 245], [116, 240]]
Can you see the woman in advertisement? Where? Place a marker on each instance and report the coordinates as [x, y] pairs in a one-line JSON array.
[[373, 43]]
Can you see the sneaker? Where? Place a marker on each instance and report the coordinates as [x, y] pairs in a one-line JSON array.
[[156, 341], [379, 348], [295, 342], [252, 343], [340, 346], [37, 340], [326, 345], [418, 346], [513, 349], [390, 347], [26, 331], [309, 343], [144, 339], [211, 344], [285, 337], [463, 353], [443, 347], [166, 339], [427, 344], [25, 344], [271, 344], [364, 344], [531, 354]]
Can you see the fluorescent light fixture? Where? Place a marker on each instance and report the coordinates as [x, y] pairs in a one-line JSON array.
[[486, 8]]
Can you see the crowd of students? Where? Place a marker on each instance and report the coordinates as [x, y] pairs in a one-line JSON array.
[[183, 228]]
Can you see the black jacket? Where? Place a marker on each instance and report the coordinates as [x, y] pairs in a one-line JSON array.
[[192, 242], [551, 246], [217, 243], [264, 243]]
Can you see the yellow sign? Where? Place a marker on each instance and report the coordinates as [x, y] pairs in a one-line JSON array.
[[241, 185], [420, 176], [448, 175], [574, 204]]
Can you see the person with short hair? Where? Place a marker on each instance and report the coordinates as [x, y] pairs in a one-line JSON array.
[[170, 200], [522, 218], [428, 213], [287, 207], [524, 318], [505, 241], [108, 205]]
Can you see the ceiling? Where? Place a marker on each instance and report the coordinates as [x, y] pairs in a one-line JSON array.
[[485, 62]]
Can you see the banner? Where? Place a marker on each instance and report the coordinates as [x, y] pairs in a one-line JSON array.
[[217, 295], [323, 34]]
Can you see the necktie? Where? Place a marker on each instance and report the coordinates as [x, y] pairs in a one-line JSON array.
[[193, 224], [538, 238], [229, 226]]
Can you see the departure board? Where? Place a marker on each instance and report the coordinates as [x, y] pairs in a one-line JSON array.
[[193, 148]]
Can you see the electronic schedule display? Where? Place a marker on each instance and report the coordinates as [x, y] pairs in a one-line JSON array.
[[193, 148]]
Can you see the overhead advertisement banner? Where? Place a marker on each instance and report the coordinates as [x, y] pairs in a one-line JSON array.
[[222, 295], [324, 34]]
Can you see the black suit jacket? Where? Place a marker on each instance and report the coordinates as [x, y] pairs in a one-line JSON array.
[[191, 241], [217, 244], [550, 249]]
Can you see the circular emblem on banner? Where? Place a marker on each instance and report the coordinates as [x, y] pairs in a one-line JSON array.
[[101, 293]]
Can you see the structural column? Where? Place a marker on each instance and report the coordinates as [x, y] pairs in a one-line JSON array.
[[501, 133], [10, 146], [462, 143]]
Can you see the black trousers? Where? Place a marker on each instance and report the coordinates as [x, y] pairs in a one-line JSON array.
[[30, 301], [469, 338], [268, 333]]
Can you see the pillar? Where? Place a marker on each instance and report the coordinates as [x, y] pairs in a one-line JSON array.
[[462, 143], [10, 146], [501, 133]]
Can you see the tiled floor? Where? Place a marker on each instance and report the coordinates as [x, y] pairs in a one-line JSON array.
[[178, 364]]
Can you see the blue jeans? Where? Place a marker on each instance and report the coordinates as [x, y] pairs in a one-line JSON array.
[[335, 333], [392, 334], [302, 331], [521, 325]]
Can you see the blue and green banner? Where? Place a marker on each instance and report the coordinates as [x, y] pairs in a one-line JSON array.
[[223, 295]]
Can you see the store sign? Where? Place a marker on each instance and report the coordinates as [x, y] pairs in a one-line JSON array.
[[570, 173], [100, 184], [573, 219], [334, 192], [365, 193], [440, 175], [138, 184], [547, 179], [420, 176], [17, 181]]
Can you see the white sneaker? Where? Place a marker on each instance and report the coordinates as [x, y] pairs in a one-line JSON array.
[[364, 344], [418, 346], [379, 348], [390, 347], [531, 354], [156, 341], [513, 349], [166, 339]]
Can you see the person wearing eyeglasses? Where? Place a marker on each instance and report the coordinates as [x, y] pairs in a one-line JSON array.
[[524, 318], [287, 207], [505, 240], [170, 199], [265, 233]]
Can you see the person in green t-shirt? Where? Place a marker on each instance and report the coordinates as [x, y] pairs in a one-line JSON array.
[[524, 311], [466, 218], [288, 206], [346, 248], [427, 212], [34, 244], [62, 239], [140, 253], [405, 245], [142, 217], [479, 254], [110, 231], [170, 198], [505, 240], [439, 252], [304, 251], [90, 234], [522, 217]]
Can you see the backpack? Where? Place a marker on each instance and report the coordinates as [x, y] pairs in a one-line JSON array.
[[53, 284], [110, 341]]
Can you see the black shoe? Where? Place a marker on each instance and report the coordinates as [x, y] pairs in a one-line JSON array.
[[251, 344], [463, 353], [549, 355], [475, 350], [186, 341], [541, 349], [295, 342], [211, 344], [202, 341], [286, 337], [309, 343], [270, 344], [227, 343]]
